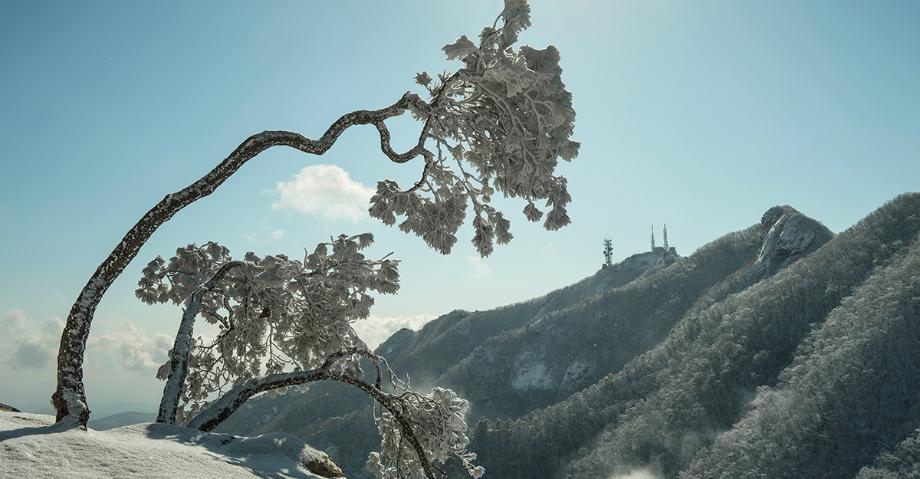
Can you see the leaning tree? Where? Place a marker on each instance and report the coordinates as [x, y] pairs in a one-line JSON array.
[[283, 323], [498, 124]]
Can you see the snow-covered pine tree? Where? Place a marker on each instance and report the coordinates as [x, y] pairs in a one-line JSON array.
[[286, 323], [499, 123]]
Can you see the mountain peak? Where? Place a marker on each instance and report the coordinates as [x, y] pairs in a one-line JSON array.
[[772, 215], [787, 236]]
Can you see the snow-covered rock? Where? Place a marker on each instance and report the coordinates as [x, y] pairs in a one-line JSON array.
[[31, 447], [788, 235], [575, 374]]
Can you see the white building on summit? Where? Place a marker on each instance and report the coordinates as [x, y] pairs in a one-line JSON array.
[[666, 252]]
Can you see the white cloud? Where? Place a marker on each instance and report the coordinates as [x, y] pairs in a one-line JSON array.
[[376, 329], [12, 323], [324, 190], [264, 237], [28, 346], [129, 348], [31, 354], [34, 345], [480, 268]]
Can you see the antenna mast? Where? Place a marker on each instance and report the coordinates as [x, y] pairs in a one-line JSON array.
[[608, 252]]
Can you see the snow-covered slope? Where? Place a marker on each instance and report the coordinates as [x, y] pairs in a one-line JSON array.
[[30, 447]]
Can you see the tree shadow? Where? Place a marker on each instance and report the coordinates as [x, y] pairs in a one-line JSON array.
[[257, 454], [270, 456], [41, 427]]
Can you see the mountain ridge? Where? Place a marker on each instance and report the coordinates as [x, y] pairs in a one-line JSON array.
[[641, 366], [665, 405]]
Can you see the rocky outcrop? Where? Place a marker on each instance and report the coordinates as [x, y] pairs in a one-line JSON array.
[[316, 461], [7, 408], [787, 236], [245, 449]]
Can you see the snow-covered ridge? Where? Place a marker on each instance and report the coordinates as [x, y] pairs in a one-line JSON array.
[[31, 447]]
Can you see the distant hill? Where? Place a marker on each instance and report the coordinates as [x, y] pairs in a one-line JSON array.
[[121, 419], [775, 350]]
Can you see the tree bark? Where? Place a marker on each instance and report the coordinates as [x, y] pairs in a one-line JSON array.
[[178, 359], [70, 397]]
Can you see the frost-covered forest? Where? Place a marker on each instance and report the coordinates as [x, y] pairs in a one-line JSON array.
[[781, 347]]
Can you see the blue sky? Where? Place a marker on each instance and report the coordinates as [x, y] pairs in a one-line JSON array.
[[697, 114]]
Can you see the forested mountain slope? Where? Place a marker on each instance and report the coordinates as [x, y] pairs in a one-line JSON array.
[[570, 349], [334, 415], [899, 462], [513, 360], [810, 372], [850, 391], [444, 342]]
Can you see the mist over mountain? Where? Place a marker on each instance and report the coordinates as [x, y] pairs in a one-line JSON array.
[[781, 349]]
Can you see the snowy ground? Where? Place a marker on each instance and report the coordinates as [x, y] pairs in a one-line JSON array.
[[30, 448]]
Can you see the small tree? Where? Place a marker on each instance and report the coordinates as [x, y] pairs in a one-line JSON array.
[[286, 323], [500, 123], [272, 313]]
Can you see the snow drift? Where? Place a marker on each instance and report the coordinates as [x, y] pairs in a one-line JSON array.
[[31, 447]]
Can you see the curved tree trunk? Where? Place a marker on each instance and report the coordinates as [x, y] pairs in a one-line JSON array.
[[178, 361], [70, 398], [224, 406], [227, 404], [178, 358]]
